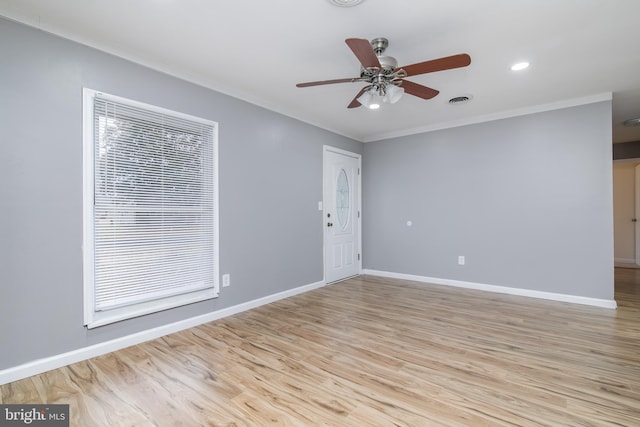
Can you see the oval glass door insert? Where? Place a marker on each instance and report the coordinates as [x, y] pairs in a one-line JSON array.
[[343, 208]]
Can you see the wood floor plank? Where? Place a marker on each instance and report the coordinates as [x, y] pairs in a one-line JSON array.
[[371, 351]]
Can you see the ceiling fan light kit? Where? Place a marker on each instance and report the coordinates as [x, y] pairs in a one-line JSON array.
[[381, 94], [385, 80]]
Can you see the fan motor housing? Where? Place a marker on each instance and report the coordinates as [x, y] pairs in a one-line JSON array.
[[388, 63]]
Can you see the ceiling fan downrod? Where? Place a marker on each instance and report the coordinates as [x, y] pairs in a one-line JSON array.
[[379, 45]]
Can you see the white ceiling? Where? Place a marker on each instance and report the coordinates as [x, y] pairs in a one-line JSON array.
[[257, 50]]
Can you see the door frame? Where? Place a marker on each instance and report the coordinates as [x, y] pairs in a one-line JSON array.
[[330, 149], [636, 214]]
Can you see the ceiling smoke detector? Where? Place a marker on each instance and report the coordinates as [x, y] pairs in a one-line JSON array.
[[632, 122], [345, 3]]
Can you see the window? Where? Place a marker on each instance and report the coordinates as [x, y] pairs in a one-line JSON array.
[[150, 209]]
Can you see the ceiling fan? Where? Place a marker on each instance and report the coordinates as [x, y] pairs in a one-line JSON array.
[[385, 80]]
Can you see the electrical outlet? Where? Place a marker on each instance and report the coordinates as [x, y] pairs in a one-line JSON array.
[[461, 260], [226, 280]]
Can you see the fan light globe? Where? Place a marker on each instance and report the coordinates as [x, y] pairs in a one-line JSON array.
[[371, 99], [393, 94], [366, 98]]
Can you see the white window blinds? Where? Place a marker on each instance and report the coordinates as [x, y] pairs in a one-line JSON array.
[[154, 202]]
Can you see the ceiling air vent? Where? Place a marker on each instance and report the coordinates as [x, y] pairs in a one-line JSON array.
[[345, 3], [632, 122], [460, 99]]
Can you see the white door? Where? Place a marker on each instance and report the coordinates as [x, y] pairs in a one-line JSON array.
[[341, 214]]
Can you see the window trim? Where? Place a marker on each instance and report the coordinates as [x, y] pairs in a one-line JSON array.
[[93, 318]]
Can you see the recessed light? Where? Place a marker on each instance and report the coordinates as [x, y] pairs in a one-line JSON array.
[[632, 122], [519, 66]]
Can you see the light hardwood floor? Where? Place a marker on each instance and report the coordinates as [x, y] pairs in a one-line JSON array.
[[371, 352]]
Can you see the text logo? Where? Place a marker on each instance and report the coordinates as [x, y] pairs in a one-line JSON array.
[[34, 415]]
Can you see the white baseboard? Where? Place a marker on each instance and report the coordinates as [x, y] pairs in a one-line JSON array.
[[499, 289], [46, 364]]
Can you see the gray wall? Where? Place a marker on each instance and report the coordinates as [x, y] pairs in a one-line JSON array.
[[270, 183], [527, 201]]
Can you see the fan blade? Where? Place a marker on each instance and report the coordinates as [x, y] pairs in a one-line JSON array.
[[364, 52], [328, 82], [355, 103], [420, 91], [446, 63]]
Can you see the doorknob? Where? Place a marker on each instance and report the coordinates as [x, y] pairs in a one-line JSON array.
[[634, 220], [329, 224]]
